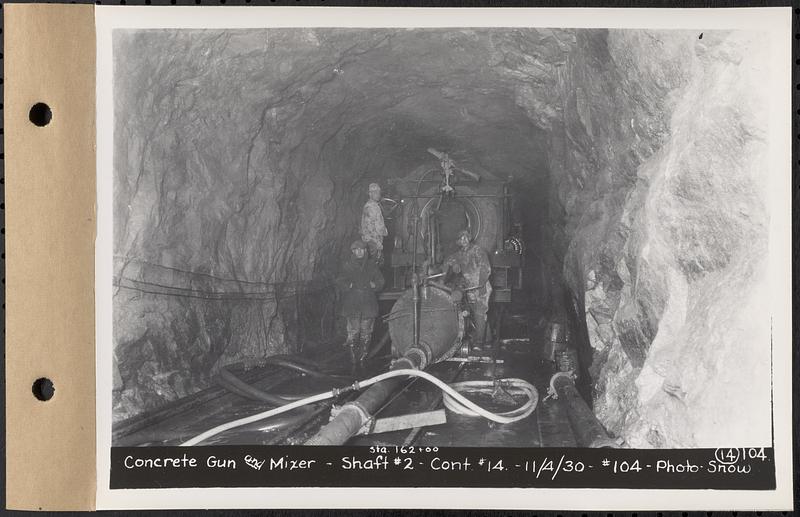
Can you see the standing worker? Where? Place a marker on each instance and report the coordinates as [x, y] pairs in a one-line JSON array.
[[373, 229], [472, 262], [358, 283]]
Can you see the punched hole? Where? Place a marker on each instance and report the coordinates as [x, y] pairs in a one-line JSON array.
[[40, 114], [43, 389]]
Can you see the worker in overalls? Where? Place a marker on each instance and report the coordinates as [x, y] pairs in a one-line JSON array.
[[373, 228], [472, 262], [358, 282]]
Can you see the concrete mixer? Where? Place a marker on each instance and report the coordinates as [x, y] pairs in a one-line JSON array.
[[432, 206], [440, 326]]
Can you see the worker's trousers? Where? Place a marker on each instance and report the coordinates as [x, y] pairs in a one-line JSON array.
[[359, 334], [479, 306]]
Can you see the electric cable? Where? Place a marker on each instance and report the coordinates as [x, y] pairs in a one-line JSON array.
[[207, 275], [184, 292], [287, 291], [464, 402]]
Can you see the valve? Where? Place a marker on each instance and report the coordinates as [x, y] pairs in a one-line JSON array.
[[551, 390]]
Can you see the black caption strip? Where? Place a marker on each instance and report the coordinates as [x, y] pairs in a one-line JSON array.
[[389, 466]]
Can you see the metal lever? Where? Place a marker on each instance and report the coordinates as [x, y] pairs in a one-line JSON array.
[[447, 161]]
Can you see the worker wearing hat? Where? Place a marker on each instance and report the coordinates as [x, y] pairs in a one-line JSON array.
[[373, 229], [358, 282], [472, 262]]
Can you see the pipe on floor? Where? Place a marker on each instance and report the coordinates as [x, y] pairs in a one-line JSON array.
[[589, 432]]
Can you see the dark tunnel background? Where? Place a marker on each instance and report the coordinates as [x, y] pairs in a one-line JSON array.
[[242, 160]]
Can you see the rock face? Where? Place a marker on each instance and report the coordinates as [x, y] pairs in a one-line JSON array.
[[242, 160], [663, 184]]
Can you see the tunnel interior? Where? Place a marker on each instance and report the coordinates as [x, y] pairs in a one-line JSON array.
[[242, 160]]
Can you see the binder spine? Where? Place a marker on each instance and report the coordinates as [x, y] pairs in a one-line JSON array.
[[50, 229]]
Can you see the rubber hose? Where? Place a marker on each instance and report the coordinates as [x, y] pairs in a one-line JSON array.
[[511, 386], [296, 358], [233, 383], [304, 369], [295, 365], [373, 351], [250, 394]]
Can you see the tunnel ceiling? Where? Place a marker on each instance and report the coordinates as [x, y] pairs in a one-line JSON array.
[[384, 96], [454, 91]]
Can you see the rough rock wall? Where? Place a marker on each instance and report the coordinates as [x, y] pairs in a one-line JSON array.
[[658, 162], [230, 208]]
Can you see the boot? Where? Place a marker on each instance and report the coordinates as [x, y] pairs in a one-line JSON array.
[[357, 369], [359, 356], [354, 364], [362, 357]]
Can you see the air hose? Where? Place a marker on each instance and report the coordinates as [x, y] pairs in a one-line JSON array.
[[509, 386], [299, 365], [463, 402], [233, 383]]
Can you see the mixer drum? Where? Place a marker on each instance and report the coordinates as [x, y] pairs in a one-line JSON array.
[[438, 323], [484, 212]]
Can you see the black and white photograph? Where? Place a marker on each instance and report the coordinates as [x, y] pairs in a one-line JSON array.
[[434, 237]]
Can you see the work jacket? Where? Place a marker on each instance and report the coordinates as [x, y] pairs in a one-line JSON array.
[[358, 298], [474, 264], [373, 229]]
